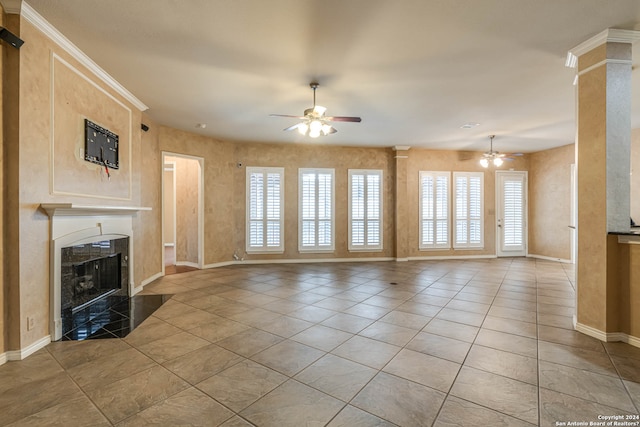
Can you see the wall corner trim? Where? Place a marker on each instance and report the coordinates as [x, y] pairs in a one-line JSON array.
[[608, 336], [3, 358], [29, 350], [50, 31]]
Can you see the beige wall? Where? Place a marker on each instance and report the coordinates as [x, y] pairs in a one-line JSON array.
[[38, 180], [429, 160], [219, 167], [294, 157], [635, 175], [2, 193], [550, 202]]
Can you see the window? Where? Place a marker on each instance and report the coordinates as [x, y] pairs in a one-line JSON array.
[[316, 220], [365, 209], [434, 210], [468, 209], [265, 209]]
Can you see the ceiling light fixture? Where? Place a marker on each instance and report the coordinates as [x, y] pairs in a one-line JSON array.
[[314, 123], [469, 125], [494, 157]]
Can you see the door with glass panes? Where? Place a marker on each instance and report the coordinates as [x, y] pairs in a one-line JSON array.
[[511, 213]]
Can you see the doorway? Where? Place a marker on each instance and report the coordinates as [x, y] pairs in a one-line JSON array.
[[511, 213], [182, 212]]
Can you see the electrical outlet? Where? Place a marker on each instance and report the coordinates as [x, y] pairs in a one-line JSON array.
[[31, 323]]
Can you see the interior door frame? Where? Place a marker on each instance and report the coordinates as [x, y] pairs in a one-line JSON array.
[[200, 161], [498, 228]]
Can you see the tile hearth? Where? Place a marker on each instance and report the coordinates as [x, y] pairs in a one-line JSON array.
[[469, 343]]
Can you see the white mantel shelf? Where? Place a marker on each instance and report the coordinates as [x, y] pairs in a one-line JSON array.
[[71, 209]]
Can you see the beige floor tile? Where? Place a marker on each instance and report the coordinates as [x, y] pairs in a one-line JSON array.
[[347, 322], [192, 319], [367, 311], [335, 304], [293, 404], [510, 326], [173, 308], [73, 353], [351, 416], [513, 313], [501, 394], [424, 369], [400, 401], [242, 384], [285, 326], [471, 297], [128, 396], [322, 337], [471, 306], [35, 396], [407, 320], [283, 306], [389, 333], [255, 316], [77, 412], [622, 349], [434, 300], [249, 342], [443, 293], [558, 407], [453, 330], [568, 337], [587, 385], [202, 363], [38, 366], [462, 413], [338, 377], [367, 351], [288, 357], [236, 422], [508, 342], [312, 314], [634, 392], [153, 328], [419, 308], [173, 346], [110, 368], [628, 368], [555, 320], [556, 309], [576, 357], [503, 363], [459, 316], [515, 304], [218, 330], [443, 347], [190, 407]]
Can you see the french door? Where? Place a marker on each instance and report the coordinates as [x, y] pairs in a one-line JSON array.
[[511, 213]]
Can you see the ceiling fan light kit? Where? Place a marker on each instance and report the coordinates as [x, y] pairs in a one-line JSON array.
[[494, 157], [314, 122]]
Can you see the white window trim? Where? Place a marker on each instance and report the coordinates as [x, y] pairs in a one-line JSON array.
[[453, 211], [435, 246], [316, 248], [264, 248], [365, 247]]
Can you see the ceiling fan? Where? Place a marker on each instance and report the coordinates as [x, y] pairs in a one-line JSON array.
[[314, 123], [496, 157]]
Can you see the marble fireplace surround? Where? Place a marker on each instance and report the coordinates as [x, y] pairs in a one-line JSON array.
[[73, 224]]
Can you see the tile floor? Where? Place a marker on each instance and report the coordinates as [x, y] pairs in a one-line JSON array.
[[443, 343]]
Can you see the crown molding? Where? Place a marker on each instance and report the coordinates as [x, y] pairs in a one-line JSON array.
[[401, 148], [610, 35], [11, 6], [50, 31]]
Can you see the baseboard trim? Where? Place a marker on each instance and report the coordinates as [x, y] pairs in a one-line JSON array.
[[447, 257], [548, 258], [148, 280], [169, 245], [188, 264], [310, 260], [29, 350], [221, 264], [3, 358], [608, 336]]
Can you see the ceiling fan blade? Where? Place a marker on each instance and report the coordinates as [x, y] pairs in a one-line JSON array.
[[288, 115], [333, 130], [292, 127], [343, 119]]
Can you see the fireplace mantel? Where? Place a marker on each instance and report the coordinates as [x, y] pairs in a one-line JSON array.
[[71, 209]]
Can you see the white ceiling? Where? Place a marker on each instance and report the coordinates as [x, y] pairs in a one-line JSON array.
[[414, 70]]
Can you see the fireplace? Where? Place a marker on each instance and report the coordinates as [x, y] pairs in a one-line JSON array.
[[91, 259]]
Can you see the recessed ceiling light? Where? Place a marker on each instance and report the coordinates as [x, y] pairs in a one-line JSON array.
[[201, 125], [469, 125]]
